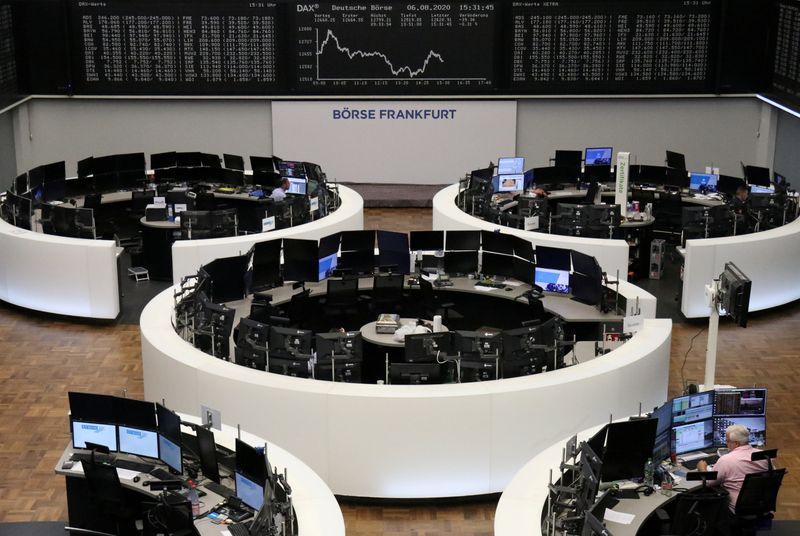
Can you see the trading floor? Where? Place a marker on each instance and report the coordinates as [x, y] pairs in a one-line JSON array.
[[43, 357]]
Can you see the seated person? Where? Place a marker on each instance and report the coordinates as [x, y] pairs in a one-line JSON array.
[[740, 204], [279, 193], [733, 466]]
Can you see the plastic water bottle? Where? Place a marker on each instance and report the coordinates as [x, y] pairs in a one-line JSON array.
[[649, 470], [194, 499]]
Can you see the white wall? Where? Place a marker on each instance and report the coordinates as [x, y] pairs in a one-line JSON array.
[[48, 130], [721, 131], [787, 140]]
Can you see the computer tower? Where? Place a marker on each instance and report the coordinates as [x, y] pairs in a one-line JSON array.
[[656, 258]]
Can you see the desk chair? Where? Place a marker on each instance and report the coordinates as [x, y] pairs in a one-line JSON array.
[[430, 305], [169, 517], [106, 495], [756, 502], [92, 201], [387, 293], [698, 512], [341, 302], [204, 201]]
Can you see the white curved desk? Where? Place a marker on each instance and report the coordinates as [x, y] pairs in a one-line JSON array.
[[189, 255], [612, 254], [56, 274], [417, 441]]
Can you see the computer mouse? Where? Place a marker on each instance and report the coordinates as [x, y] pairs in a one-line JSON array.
[[145, 483], [136, 479]]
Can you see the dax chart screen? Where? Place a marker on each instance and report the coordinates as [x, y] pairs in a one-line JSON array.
[[419, 47]]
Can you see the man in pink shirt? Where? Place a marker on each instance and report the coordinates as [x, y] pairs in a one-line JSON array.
[[733, 466]]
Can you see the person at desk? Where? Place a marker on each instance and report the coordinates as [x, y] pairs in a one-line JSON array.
[[279, 193], [741, 206], [732, 467]]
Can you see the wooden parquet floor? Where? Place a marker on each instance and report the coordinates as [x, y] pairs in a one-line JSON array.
[[42, 358]]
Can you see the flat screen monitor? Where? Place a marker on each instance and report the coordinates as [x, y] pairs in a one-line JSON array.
[[393, 252], [297, 186], [288, 168], [757, 175], [676, 160], [163, 160], [497, 242], [414, 373], [251, 462], [584, 264], [523, 249], [228, 278], [727, 184], [524, 270], [757, 425], [475, 343], [484, 174], [426, 240], [233, 161], [207, 452], [285, 342], [424, 347], [551, 280], [695, 436], [248, 491], [529, 180], [663, 414], [742, 402], [629, 445], [702, 182], [568, 159], [169, 438], [92, 407], [262, 163], [586, 289], [357, 262], [693, 408], [463, 240], [36, 177], [169, 452], [598, 441], [327, 265], [85, 167], [512, 165], [300, 261], [598, 156], [347, 344], [329, 245], [138, 441], [754, 189], [510, 183], [55, 172], [358, 241], [554, 258], [266, 264], [461, 262], [496, 264], [55, 190], [778, 179], [94, 432]]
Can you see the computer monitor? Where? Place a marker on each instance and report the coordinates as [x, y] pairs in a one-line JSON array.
[[728, 185], [524, 271], [529, 179], [461, 262], [250, 475], [343, 370], [266, 265], [426, 240], [358, 241], [286, 342], [568, 159], [297, 186], [251, 340], [649, 175], [393, 252], [663, 444], [742, 402], [55, 190], [414, 373], [327, 265], [337, 344], [228, 278], [510, 165], [99, 433], [207, 452], [526, 340], [586, 289], [695, 436], [598, 156], [593, 518], [138, 439], [463, 240], [288, 168], [590, 468], [756, 424], [483, 174], [476, 343], [552, 280], [509, 183], [757, 175], [300, 262], [555, 258], [495, 264], [629, 445], [329, 244], [425, 347], [497, 242], [262, 163], [169, 439], [676, 160], [357, 262], [703, 182], [693, 408]]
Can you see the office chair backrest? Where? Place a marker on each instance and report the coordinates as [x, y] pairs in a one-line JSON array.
[[204, 201], [104, 487], [141, 199], [759, 493], [342, 291], [428, 296], [92, 200], [698, 512], [387, 287]]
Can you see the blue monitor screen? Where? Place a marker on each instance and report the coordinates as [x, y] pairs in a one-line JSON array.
[[552, 280], [138, 441], [756, 425], [598, 156], [326, 266], [297, 186], [706, 181], [510, 183], [695, 436], [692, 408], [170, 454], [511, 165], [755, 189], [249, 492], [93, 432]]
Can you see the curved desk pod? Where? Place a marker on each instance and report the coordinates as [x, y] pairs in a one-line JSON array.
[[417, 441], [611, 254], [768, 258], [189, 255], [53, 274]]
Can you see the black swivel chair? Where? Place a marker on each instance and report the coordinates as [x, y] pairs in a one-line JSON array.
[[387, 293], [430, 305], [756, 502], [107, 497], [698, 512], [341, 302]]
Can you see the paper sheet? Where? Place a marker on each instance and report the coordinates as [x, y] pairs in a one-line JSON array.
[[618, 517], [127, 474], [484, 289]]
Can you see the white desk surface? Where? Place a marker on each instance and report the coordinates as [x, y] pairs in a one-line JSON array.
[[387, 339]]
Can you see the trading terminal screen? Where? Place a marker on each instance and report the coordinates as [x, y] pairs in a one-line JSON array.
[[693, 408], [694, 436], [93, 432]]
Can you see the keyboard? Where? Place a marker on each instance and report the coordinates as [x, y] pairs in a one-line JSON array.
[[692, 464], [161, 474], [219, 489], [134, 466], [239, 529]]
